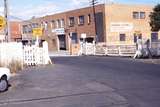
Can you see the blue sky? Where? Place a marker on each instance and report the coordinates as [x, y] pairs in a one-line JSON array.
[[25, 9]]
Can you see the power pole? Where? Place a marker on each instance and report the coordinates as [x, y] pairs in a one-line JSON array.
[[93, 3], [7, 34]]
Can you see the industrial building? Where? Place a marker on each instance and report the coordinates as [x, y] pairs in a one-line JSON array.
[[116, 24]]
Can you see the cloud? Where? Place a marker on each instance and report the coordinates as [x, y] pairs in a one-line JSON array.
[[1, 10], [32, 10], [44, 7], [79, 2]]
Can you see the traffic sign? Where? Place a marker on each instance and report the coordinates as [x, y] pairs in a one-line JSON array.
[[2, 22], [37, 31]]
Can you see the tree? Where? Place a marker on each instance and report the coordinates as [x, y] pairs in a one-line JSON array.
[[155, 19]]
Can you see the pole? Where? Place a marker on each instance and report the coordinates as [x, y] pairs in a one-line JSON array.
[[93, 2], [7, 34]]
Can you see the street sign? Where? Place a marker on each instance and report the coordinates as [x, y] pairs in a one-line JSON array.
[[37, 31], [2, 22]]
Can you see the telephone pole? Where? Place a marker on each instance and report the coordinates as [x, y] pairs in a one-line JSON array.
[[6, 31], [93, 3]]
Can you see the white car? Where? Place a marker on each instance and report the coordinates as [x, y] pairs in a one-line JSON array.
[[4, 77]]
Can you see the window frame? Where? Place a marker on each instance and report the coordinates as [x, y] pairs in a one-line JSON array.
[[153, 38], [62, 23], [81, 20], [144, 15], [135, 15], [74, 38], [122, 37], [89, 19], [53, 24], [71, 21]]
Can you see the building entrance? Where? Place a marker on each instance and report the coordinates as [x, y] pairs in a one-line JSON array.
[[62, 42]]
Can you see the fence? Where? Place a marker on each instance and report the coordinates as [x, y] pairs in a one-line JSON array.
[[33, 55], [110, 50], [10, 52], [87, 49], [152, 48], [156, 48], [26, 55]]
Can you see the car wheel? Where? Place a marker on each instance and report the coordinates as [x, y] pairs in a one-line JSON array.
[[3, 85]]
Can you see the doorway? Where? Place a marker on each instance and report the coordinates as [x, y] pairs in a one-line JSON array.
[[62, 42]]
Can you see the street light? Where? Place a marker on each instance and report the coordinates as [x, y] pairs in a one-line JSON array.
[[93, 3]]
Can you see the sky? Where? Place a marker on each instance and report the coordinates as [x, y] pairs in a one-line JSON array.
[[26, 9]]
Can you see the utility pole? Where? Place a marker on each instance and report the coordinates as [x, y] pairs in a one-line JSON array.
[[6, 31], [93, 3]]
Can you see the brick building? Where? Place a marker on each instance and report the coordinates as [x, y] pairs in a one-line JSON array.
[[14, 31], [116, 24]]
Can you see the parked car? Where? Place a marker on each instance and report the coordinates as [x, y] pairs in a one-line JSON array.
[[4, 78]]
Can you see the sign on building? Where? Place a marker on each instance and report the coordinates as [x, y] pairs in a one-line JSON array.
[[2, 22], [59, 31], [83, 35], [121, 27], [37, 32]]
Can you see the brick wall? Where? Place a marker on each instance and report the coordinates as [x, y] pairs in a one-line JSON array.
[[15, 31]]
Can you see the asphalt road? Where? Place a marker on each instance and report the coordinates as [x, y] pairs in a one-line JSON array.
[[86, 82]]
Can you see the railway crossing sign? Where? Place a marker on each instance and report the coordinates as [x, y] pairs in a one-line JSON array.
[[2, 22], [37, 31]]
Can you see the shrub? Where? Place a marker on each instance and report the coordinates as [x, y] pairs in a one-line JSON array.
[[15, 66]]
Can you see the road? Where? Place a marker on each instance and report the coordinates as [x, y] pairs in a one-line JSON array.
[[86, 81]]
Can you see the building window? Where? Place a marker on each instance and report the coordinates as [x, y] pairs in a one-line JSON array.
[[25, 29], [122, 37], [29, 29], [71, 21], [74, 38], [89, 18], [137, 36], [81, 20], [62, 23], [35, 25], [52, 24], [154, 37], [135, 15], [142, 15], [58, 23]]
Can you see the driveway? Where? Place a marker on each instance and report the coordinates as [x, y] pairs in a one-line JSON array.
[[86, 81]]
